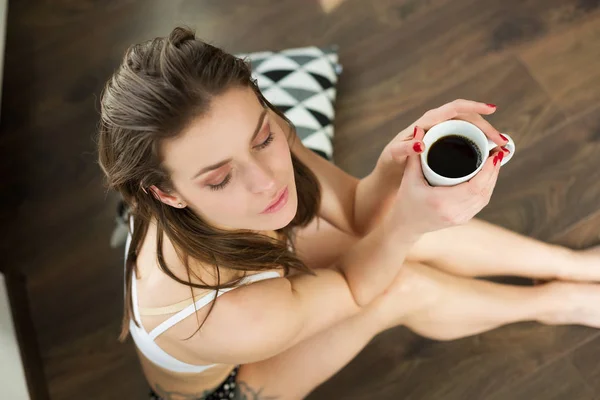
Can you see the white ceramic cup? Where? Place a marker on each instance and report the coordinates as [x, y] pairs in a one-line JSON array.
[[471, 132]]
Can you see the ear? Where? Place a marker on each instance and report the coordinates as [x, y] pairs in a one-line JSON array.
[[169, 199]]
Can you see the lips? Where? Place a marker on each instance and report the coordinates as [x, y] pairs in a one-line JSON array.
[[277, 198]]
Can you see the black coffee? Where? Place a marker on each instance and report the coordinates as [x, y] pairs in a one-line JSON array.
[[453, 156]]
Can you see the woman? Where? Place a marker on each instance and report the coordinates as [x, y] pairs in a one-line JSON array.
[[257, 270]]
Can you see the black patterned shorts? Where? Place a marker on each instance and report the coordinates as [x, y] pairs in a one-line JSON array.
[[225, 391]]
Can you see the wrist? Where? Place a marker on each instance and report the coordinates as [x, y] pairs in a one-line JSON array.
[[397, 228], [374, 196], [389, 170]]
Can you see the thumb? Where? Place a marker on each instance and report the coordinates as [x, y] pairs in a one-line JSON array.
[[406, 148], [413, 171]]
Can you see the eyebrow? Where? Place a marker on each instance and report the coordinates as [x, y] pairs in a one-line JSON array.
[[221, 163]]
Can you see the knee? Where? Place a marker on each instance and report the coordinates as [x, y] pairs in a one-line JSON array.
[[417, 284], [435, 328], [411, 292]]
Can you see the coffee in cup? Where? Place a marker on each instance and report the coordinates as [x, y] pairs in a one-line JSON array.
[[453, 156], [455, 151]]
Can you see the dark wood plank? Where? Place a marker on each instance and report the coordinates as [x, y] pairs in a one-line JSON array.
[[566, 64], [426, 48], [585, 232], [94, 364], [551, 185], [581, 235], [585, 359], [398, 364], [559, 381], [524, 111]]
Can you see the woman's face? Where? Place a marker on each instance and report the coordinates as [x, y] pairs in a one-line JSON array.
[[231, 163]]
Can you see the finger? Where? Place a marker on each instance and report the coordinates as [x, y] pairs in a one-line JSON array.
[[411, 146], [418, 133], [466, 106], [487, 128], [488, 174], [452, 110], [401, 150], [491, 184], [494, 177], [413, 172]]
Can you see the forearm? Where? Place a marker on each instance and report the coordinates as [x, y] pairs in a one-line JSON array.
[[372, 263], [374, 195]]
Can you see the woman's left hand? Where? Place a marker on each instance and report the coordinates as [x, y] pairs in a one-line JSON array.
[[393, 156]]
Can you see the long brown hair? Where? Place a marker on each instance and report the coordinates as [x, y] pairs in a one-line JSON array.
[[160, 86]]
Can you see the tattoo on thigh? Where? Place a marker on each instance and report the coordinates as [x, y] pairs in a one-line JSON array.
[[175, 395], [243, 391]]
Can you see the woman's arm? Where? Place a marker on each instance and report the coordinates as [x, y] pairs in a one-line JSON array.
[[263, 319], [375, 193], [258, 321], [374, 261], [374, 196], [350, 204]]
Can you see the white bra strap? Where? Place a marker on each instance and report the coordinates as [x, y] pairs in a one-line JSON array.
[[189, 310]]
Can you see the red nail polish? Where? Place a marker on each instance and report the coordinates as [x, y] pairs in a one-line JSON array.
[[500, 156], [415, 132], [506, 150], [495, 160], [490, 105], [417, 147], [504, 137]]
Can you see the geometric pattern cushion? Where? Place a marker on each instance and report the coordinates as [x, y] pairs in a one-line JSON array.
[[301, 82]]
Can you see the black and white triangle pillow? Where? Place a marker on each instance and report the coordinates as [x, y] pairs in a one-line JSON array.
[[301, 82]]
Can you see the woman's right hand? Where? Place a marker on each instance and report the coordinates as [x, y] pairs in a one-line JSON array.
[[422, 208]]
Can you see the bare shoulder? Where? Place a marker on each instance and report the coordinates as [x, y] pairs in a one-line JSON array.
[[157, 289], [260, 320], [154, 287], [239, 327], [234, 312]]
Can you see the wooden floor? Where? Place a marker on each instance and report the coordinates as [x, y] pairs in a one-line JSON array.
[[538, 60]]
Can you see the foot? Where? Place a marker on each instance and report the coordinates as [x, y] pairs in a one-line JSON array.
[[571, 304], [582, 265], [593, 251]]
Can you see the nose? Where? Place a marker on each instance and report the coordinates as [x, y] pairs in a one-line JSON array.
[[260, 179]]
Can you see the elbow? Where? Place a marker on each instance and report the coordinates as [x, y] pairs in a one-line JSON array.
[[358, 293], [361, 298]]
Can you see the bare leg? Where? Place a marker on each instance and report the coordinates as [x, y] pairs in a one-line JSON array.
[[296, 372], [431, 302], [480, 248], [442, 306]]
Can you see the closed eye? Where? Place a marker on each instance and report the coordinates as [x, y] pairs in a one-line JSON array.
[[267, 141], [225, 181]]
